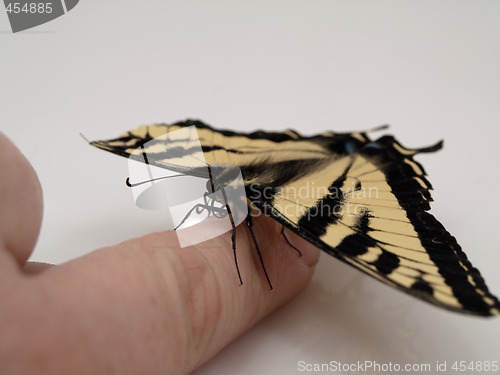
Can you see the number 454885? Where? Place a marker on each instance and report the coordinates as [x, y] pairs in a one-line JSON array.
[[29, 8], [476, 366]]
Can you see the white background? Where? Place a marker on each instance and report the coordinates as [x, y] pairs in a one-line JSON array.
[[429, 68]]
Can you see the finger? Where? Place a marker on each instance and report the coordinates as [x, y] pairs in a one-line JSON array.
[[20, 202], [149, 306]]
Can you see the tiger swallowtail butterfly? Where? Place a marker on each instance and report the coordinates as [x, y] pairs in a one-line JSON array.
[[362, 201]]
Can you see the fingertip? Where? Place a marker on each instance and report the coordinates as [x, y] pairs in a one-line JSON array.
[[220, 308], [291, 271], [288, 272]]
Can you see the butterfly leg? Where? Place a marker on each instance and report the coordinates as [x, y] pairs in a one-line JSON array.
[[228, 211], [233, 241], [233, 234], [288, 241], [199, 209], [250, 224]]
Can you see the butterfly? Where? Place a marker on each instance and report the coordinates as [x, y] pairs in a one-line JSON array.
[[362, 201]]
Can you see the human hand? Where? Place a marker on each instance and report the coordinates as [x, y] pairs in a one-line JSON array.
[[145, 306]]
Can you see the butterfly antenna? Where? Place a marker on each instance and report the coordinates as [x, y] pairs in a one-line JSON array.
[[81, 134], [378, 128]]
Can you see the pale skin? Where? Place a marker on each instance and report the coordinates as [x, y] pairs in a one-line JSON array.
[[144, 306]]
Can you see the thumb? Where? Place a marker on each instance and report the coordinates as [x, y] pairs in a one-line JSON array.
[[20, 202]]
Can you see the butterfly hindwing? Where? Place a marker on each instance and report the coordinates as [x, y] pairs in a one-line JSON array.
[[364, 202], [371, 213]]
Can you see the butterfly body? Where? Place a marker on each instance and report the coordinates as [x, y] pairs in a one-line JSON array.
[[364, 202]]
